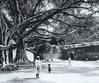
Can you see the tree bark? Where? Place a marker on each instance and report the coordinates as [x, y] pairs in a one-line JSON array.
[[1, 61], [5, 57], [21, 52], [10, 56]]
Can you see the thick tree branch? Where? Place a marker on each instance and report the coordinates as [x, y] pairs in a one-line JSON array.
[[37, 31], [29, 21], [71, 25], [43, 19], [49, 31], [68, 14], [39, 37]]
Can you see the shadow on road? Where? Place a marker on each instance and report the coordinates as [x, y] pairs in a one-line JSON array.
[[27, 80]]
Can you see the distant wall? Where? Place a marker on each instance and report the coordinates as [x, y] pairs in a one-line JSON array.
[[81, 53], [84, 53]]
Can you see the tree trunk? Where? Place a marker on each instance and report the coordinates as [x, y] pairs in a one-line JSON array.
[[5, 57], [21, 52], [10, 56], [1, 61]]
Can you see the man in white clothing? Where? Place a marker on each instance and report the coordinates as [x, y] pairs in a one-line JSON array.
[[38, 66]]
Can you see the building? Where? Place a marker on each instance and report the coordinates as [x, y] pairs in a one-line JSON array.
[[84, 51]]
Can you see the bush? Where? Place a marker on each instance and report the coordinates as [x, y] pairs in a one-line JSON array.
[[10, 67]]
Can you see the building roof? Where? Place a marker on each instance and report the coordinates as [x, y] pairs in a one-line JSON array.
[[84, 44]]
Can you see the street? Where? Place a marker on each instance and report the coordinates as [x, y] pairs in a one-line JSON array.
[[62, 72]]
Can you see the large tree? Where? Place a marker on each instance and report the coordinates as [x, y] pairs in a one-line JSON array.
[[27, 18]]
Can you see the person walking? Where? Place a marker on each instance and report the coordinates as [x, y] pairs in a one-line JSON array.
[[69, 60], [38, 66]]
